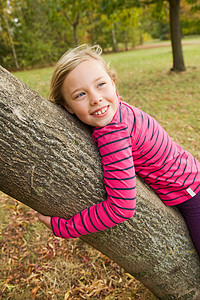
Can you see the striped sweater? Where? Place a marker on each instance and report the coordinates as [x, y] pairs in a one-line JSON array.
[[133, 142]]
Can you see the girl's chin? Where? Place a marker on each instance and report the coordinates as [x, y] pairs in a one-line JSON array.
[[102, 122]]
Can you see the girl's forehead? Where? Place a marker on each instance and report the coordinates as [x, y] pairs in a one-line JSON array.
[[87, 68], [85, 73]]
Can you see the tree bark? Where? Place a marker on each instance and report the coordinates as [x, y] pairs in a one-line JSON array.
[[175, 31], [49, 161]]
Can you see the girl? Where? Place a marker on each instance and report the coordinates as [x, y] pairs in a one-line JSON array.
[[129, 140]]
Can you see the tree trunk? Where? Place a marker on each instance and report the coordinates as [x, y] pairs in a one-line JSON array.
[[75, 34], [74, 26], [175, 31], [49, 161], [126, 40], [11, 43], [115, 48]]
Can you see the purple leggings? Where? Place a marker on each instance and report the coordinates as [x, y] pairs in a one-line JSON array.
[[190, 210]]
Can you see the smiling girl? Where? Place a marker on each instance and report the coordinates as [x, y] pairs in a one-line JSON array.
[[129, 141]]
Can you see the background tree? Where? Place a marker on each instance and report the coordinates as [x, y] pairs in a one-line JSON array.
[[10, 38], [43, 155], [74, 12], [34, 44], [174, 21], [170, 10], [160, 21], [190, 18], [8, 25], [175, 33]]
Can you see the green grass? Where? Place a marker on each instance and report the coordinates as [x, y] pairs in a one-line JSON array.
[[36, 265], [37, 79]]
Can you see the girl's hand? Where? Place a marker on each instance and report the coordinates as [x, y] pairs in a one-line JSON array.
[[46, 220]]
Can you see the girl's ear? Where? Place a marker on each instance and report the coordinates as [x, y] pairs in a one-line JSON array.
[[68, 109]]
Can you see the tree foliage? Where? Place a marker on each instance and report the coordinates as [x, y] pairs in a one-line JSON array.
[[37, 32]]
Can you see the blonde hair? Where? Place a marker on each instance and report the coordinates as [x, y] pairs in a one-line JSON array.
[[68, 62]]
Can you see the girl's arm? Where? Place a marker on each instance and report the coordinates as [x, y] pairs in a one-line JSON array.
[[46, 220], [119, 177]]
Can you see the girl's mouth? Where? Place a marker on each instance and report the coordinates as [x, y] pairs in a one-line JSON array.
[[101, 111]]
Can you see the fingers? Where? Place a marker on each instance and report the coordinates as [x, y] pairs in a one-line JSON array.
[[46, 220]]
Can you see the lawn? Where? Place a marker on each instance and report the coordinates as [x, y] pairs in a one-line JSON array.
[[35, 264]]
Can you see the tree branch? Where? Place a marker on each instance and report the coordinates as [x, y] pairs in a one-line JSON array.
[[49, 161]]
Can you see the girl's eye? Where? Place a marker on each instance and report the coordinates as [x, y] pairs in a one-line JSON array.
[[101, 84], [80, 95]]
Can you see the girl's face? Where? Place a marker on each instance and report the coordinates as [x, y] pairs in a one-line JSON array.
[[90, 93]]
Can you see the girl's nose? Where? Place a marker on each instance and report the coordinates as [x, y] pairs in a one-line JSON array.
[[95, 99]]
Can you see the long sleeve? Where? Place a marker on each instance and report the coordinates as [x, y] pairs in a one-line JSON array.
[[114, 143]]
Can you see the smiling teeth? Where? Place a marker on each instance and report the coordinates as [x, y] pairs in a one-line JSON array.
[[100, 111]]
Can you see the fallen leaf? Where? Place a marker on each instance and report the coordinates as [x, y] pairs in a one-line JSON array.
[[67, 295], [34, 292]]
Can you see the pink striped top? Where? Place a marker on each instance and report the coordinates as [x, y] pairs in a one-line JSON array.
[[133, 142]]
